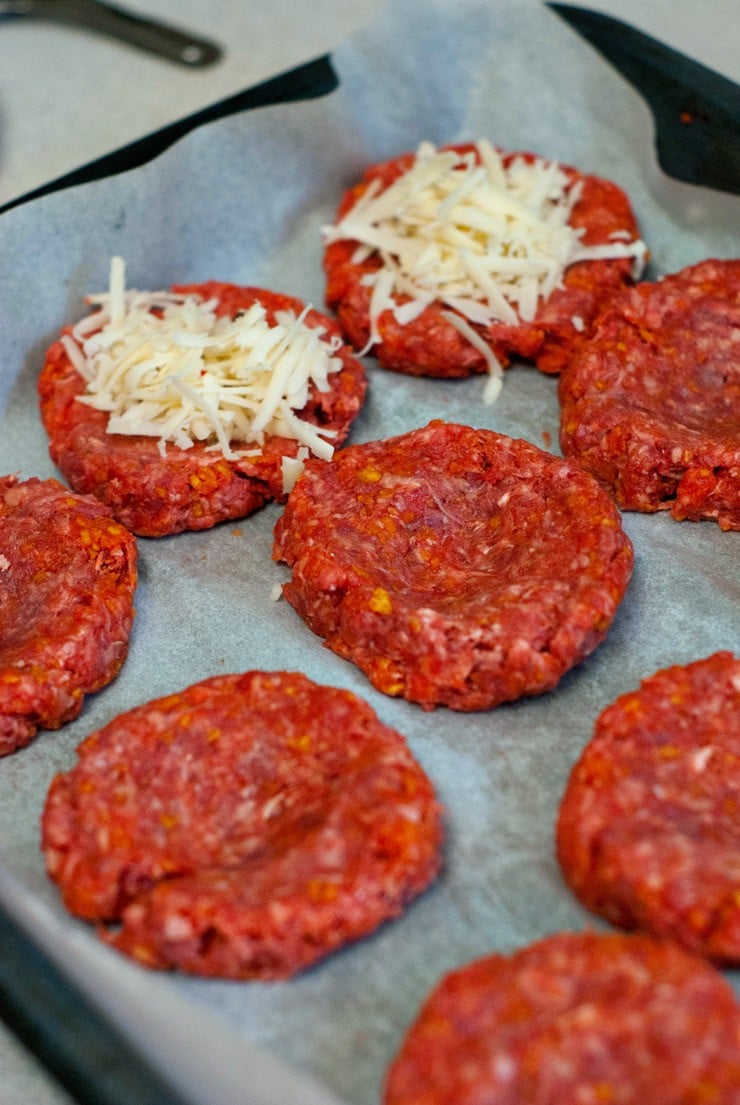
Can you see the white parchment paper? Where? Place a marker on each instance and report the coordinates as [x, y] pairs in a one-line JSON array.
[[243, 200]]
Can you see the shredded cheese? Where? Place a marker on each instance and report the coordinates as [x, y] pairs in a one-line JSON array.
[[495, 370], [488, 241], [164, 365], [292, 468]]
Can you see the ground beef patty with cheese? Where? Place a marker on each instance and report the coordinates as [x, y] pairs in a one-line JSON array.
[[67, 581], [449, 262], [648, 833], [191, 465], [454, 566], [651, 405], [575, 1019], [244, 828]]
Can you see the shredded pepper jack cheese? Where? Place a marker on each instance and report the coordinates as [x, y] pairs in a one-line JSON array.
[[488, 241], [164, 365]]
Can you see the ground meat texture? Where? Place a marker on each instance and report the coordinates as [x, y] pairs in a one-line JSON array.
[[67, 581], [651, 405], [244, 828], [648, 833], [431, 345], [188, 489], [575, 1019], [454, 566]]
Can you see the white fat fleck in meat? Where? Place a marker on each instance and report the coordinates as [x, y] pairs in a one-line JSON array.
[[409, 813], [4, 563], [504, 1068], [584, 1015], [177, 927], [244, 810], [279, 912], [580, 561], [273, 806], [333, 849], [700, 758]]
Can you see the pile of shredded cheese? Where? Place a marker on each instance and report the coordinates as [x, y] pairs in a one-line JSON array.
[[485, 240], [165, 366]]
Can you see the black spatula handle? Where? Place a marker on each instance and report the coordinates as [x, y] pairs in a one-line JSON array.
[[157, 38]]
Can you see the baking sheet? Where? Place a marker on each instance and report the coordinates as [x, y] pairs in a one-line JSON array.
[[243, 200]]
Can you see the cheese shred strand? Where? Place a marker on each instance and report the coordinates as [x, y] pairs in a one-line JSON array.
[[165, 365]]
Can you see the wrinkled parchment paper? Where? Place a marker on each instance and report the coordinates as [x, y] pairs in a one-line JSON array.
[[243, 200]]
